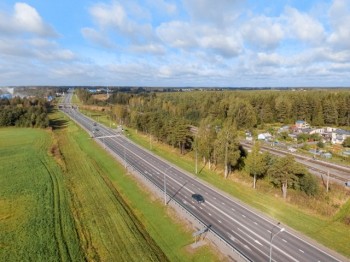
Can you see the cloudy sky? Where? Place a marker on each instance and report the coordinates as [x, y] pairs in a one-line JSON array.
[[230, 43]]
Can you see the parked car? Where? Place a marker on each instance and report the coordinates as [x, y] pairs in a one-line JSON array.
[[199, 198]]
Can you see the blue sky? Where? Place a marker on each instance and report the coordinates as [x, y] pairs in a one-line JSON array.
[[224, 43]]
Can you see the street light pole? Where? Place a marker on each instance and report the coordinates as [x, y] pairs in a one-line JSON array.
[[165, 202], [164, 189], [272, 236]]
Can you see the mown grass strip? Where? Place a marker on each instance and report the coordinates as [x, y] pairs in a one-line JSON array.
[[94, 172]]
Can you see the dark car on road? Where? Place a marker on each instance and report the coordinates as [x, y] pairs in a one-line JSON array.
[[199, 198]]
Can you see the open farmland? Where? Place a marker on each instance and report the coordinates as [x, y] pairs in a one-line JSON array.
[[35, 218], [63, 198]]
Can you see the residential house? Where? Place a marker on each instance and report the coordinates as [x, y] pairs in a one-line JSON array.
[[264, 136], [339, 136], [301, 124]]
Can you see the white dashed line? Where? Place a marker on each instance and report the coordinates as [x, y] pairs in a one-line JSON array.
[[209, 214], [256, 241], [301, 251], [233, 209], [223, 203], [284, 240], [255, 223], [243, 215], [219, 221]]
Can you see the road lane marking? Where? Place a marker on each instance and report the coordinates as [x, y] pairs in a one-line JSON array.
[[209, 214], [219, 221], [255, 223], [223, 203], [301, 251], [250, 231], [233, 209], [243, 216], [270, 231], [256, 241], [284, 240]]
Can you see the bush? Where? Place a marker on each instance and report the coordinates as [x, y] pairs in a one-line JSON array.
[[308, 184]]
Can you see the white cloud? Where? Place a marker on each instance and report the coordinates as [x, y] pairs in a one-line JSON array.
[[222, 12], [151, 48], [97, 37], [264, 59], [263, 32], [303, 27], [163, 6], [186, 36], [340, 22], [114, 17], [25, 19]]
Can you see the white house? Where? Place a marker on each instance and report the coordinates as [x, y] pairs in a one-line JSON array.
[[264, 136], [301, 124], [339, 135]]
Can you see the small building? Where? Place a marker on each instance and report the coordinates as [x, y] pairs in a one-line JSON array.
[[306, 130], [339, 136], [326, 155], [315, 152], [301, 124], [283, 129], [346, 153], [264, 136]]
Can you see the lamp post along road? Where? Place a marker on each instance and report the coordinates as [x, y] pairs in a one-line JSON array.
[[165, 202], [272, 237]]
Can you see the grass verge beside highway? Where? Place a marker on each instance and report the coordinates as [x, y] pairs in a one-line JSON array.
[[116, 217], [332, 232]]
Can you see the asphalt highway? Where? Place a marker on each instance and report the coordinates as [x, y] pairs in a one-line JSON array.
[[242, 228]]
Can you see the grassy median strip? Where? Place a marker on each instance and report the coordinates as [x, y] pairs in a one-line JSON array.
[[35, 218], [116, 217]]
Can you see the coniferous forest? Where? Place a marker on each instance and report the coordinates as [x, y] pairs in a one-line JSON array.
[[209, 122]]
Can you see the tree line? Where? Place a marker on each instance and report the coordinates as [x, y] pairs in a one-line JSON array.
[[217, 116], [24, 112]]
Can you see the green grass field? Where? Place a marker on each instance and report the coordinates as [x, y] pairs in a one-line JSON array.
[[63, 198], [112, 204], [106, 225], [35, 218]]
